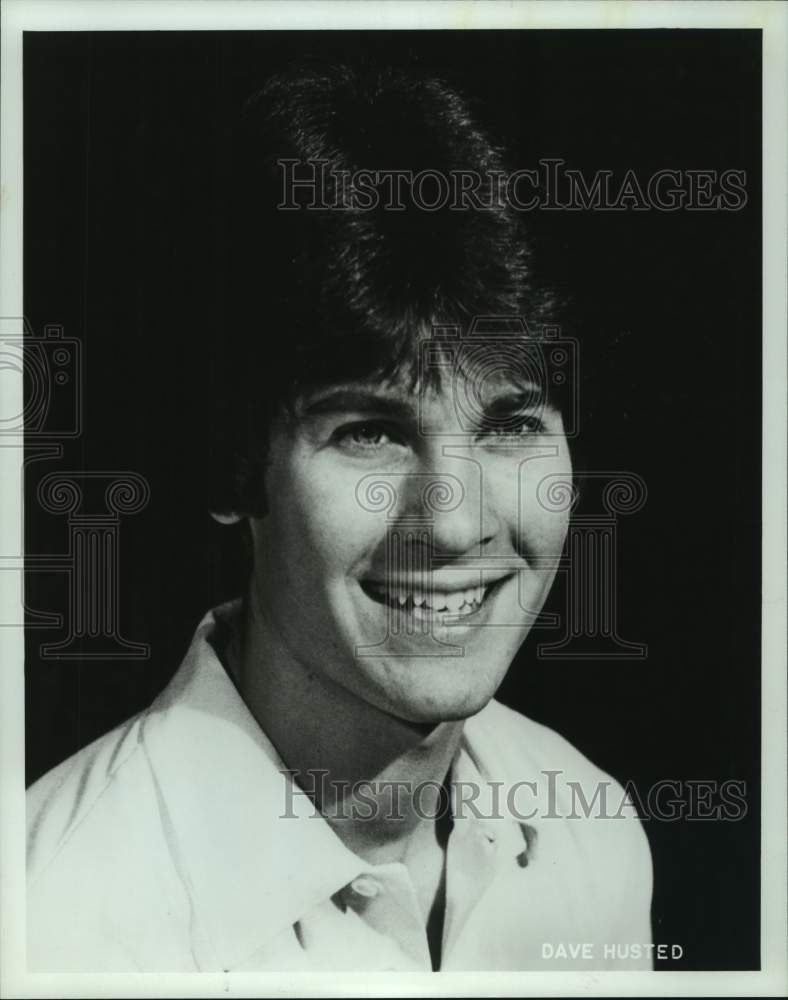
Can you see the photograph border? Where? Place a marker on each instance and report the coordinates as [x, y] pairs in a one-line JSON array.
[[19, 16]]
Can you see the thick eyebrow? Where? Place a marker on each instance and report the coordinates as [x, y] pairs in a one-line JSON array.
[[516, 399], [507, 401], [349, 400]]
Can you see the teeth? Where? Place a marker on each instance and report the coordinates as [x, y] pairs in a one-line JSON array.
[[466, 600]]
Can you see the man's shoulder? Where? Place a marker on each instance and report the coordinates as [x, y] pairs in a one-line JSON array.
[[113, 775], [64, 799], [585, 840], [103, 893], [519, 744], [572, 800]]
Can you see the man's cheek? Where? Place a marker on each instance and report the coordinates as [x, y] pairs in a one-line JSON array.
[[541, 534]]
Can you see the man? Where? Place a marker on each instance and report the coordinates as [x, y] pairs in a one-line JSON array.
[[327, 782]]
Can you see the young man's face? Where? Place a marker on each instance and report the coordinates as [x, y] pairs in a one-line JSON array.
[[407, 547]]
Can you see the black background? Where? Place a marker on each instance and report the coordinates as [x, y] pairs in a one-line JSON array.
[[122, 216]]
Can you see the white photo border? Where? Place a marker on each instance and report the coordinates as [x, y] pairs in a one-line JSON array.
[[19, 16]]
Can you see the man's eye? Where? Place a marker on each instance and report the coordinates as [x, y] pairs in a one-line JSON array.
[[516, 426], [367, 436]]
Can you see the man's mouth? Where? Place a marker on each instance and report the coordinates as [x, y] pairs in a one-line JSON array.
[[428, 603]]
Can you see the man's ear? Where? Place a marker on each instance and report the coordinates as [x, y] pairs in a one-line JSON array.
[[227, 518]]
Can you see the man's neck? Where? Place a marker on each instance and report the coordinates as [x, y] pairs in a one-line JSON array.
[[378, 780]]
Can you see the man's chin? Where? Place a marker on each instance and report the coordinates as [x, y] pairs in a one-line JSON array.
[[430, 712]]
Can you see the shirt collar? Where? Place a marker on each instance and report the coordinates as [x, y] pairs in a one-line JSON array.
[[251, 851], [221, 794], [488, 811]]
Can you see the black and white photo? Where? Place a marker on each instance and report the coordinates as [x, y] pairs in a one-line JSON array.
[[395, 459]]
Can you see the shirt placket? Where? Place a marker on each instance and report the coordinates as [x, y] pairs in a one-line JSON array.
[[472, 859], [386, 900]]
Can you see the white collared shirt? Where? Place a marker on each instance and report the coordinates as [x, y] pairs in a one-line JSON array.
[[178, 843]]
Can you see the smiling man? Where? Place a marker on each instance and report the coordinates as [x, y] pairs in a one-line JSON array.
[[328, 782]]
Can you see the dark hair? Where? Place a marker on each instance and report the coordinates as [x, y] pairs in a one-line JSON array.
[[328, 294]]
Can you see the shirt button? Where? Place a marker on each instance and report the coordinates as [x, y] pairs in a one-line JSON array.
[[365, 886]]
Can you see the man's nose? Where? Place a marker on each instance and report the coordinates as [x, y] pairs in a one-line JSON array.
[[451, 500]]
